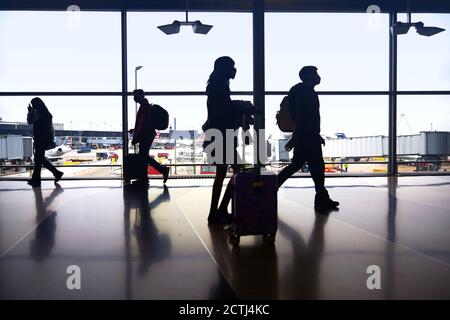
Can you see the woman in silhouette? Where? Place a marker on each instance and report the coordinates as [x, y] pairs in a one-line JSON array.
[[223, 114], [41, 119]]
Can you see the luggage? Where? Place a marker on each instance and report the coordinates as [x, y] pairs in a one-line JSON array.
[[254, 205], [134, 167], [284, 118]]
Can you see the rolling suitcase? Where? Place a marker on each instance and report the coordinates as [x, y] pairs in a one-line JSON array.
[[254, 205], [135, 167]]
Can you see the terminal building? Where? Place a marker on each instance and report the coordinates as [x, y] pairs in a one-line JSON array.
[[378, 61]]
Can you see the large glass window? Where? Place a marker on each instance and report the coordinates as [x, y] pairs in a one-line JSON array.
[[182, 142], [424, 62], [423, 120], [356, 116], [355, 129], [57, 51], [87, 132], [350, 50], [184, 61], [423, 129], [100, 113]]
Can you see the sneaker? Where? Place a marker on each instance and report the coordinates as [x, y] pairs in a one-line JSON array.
[[165, 174], [323, 199], [58, 176], [326, 206], [332, 203]]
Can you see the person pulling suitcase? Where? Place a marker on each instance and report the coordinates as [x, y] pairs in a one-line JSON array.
[[148, 118]]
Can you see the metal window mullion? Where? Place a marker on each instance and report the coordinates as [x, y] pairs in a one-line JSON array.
[[392, 166], [124, 92], [258, 70], [235, 93]]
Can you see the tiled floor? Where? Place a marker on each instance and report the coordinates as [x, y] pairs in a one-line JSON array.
[[132, 243]]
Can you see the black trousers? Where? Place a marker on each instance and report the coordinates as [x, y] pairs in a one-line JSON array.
[[39, 161], [310, 153], [144, 148]]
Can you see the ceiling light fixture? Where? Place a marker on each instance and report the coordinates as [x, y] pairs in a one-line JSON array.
[[403, 28], [174, 27]]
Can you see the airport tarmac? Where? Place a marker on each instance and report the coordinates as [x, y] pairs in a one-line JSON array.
[[77, 165]]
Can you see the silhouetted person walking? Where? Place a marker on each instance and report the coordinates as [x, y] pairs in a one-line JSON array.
[[223, 114], [306, 139], [43, 136], [144, 133]]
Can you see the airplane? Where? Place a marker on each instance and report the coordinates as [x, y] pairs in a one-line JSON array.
[[57, 152], [410, 159], [340, 135]]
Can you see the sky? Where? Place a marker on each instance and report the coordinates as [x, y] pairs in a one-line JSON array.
[[60, 51]]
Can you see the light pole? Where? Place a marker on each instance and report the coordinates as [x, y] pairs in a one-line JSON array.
[[135, 85], [193, 139]]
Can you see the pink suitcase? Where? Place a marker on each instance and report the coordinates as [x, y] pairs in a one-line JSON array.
[[254, 206]]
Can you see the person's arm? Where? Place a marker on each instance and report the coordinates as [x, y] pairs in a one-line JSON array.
[[227, 108], [241, 107], [322, 140], [32, 116], [138, 127]]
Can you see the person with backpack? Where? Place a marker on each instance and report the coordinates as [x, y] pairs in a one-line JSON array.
[[148, 118], [43, 136], [306, 140], [223, 114]]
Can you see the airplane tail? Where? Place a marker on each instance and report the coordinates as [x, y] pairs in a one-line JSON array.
[[68, 142]]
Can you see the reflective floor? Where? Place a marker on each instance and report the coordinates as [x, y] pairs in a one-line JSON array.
[[133, 243]]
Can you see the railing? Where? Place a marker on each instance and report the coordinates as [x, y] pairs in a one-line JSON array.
[[273, 165]]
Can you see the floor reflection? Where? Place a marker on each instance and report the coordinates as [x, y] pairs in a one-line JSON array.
[[44, 237], [152, 245], [301, 278], [251, 270], [389, 283], [140, 243]]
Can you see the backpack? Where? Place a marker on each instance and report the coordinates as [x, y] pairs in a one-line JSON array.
[[159, 117], [284, 118], [51, 138]]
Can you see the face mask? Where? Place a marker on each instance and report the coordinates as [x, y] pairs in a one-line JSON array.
[[233, 73]]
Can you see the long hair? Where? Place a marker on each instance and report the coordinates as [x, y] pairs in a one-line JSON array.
[[221, 66], [40, 106]]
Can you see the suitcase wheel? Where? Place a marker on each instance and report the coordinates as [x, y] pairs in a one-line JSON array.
[[234, 239], [269, 238]]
